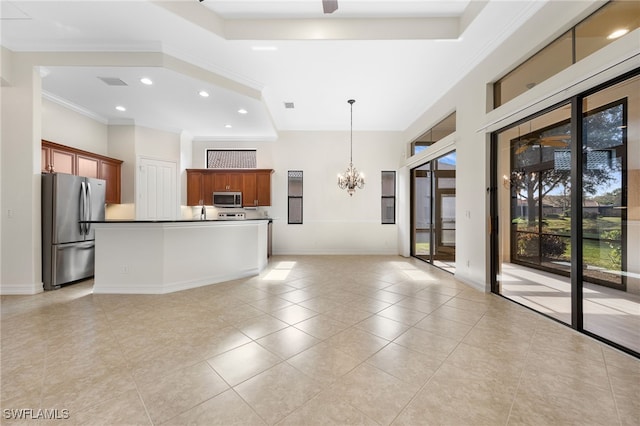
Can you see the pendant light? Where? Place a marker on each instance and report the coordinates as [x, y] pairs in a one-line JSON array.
[[351, 178]]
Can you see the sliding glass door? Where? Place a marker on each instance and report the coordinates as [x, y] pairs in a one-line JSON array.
[[566, 205], [433, 215], [611, 213]]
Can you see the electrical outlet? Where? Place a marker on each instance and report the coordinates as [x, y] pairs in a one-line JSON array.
[[125, 269]]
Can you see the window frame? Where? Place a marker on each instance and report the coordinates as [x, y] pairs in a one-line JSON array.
[[295, 197], [384, 197]]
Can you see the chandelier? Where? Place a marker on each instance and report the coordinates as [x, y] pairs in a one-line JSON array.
[[351, 178]]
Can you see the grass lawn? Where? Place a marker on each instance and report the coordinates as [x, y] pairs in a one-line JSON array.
[[595, 252]]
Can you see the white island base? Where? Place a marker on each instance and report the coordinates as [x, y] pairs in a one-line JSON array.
[[160, 257]]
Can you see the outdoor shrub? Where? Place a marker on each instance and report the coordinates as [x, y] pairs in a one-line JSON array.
[[615, 254], [553, 246], [527, 244]]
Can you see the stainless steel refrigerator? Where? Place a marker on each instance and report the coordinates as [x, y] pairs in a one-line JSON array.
[[68, 246]]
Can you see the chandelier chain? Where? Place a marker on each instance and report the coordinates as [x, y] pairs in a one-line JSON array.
[[352, 178]]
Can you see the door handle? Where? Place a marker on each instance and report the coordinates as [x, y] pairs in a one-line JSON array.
[[83, 206], [89, 212]]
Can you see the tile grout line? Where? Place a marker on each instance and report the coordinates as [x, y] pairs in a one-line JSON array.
[[524, 366], [613, 394], [127, 360], [437, 369]]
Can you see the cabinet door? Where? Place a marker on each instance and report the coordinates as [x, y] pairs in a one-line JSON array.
[[263, 189], [62, 161], [45, 161], [194, 188], [110, 172], [210, 184], [235, 181], [87, 166], [220, 182], [249, 198]]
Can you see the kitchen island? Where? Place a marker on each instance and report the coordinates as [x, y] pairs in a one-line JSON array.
[[157, 257]]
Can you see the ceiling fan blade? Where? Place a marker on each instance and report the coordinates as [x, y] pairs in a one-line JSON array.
[[560, 138], [329, 6], [521, 149]]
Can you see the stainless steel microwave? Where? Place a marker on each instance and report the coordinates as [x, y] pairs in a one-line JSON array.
[[227, 199]]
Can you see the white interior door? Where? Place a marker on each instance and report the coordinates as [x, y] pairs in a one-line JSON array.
[[157, 195]]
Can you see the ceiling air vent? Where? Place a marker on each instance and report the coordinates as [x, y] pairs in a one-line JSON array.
[[289, 105], [113, 81]]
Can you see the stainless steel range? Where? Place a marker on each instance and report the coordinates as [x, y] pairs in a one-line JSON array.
[[232, 216]]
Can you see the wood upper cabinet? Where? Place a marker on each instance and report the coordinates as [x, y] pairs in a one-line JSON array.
[[194, 188], [255, 185], [227, 181], [210, 183], [87, 166], [263, 188], [44, 159], [62, 161], [256, 188], [110, 171], [249, 190], [65, 159]]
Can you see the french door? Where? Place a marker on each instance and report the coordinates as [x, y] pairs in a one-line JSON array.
[[433, 213]]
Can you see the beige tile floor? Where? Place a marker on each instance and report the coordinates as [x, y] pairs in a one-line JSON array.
[[608, 313], [313, 340]]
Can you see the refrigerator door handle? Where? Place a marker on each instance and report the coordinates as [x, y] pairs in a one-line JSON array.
[[89, 212], [83, 207]]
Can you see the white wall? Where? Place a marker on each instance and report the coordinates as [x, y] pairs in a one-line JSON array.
[[20, 181], [64, 126], [186, 162], [157, 144], [122, 145]]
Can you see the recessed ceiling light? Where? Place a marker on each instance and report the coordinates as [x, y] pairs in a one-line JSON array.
[[242, 111], [203, 93], [228, 126], [121, 108], [617, 33], [146, 81]]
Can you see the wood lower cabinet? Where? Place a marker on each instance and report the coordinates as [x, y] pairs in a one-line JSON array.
[[255, 185], [65, 159]]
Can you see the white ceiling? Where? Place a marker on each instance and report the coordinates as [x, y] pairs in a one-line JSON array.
[[396, 58]]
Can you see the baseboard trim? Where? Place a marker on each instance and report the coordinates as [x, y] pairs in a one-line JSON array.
[[21, 289]]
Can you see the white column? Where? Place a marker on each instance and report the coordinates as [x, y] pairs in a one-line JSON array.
[[21, 269]]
